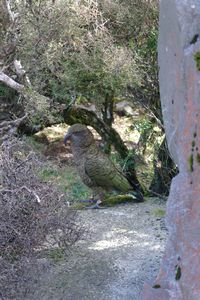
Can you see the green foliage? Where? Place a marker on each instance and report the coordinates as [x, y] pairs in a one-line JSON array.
[[6, 93], [143, 125], [37, 147], [178, 273], [159, 213], [197, 59], [9, 105], [67, 181], [59, 90], [190, 162], [198, 158], [47, 174], [56, 255], [87, 49], [91, 49]]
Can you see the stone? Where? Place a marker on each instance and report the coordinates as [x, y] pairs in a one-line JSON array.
[[124, 108], [179, 76]]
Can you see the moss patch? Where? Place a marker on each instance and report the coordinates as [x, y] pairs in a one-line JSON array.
[[190, 162], [178, 273], [159, 212], [119, 199], [198, 158], [197, 59]]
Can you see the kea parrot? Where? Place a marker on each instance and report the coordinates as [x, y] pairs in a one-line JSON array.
[[95, 168]]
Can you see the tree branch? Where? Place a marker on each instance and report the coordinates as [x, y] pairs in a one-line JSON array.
[[8, 126], [21, 72], [10, 82], [10, 13]]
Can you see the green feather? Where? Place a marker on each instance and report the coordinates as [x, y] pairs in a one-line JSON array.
[[103, 173]]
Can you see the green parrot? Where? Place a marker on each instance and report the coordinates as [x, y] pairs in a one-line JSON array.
[[95, 168]]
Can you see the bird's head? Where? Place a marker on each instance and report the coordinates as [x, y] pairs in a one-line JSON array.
[[79, 135]]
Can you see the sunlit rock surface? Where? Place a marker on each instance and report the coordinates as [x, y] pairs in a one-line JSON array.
[[179, 61]]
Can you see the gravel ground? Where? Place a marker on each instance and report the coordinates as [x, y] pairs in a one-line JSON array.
[[122, 250]]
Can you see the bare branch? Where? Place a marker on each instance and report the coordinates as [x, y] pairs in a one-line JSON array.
[[15, 122], [18, 190], [21, 72], [10, 82], [32, 192], [18, 67], [26, 223], [11, 14], [11, 126]]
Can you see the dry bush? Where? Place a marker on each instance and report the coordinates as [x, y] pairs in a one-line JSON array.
[[33, 216]]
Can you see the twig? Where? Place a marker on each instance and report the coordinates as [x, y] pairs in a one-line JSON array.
[[32, 192], [157, 194], [11, 14], [72, 102], [15, 122], [21, 71], [19, 189]]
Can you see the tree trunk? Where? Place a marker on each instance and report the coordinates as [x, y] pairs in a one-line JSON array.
[[164, 171], [108, 118], [179, 75]]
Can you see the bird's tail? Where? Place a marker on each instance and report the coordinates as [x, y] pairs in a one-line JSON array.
[[138, 195], [137, 189]]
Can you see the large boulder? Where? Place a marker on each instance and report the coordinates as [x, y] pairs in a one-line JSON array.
[[179, 61]]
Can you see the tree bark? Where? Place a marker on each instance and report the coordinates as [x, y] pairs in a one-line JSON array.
[[179, 76], [164, 171], [108, 118]]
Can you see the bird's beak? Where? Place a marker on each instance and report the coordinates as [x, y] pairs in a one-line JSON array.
[[66, 138]]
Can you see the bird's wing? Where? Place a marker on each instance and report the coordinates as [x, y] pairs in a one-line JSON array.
[[104, 173]]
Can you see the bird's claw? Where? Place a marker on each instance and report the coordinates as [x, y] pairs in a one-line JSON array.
[[96, 205]]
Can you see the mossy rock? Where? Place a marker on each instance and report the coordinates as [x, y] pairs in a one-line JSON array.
[[119, 199], [108, 202]]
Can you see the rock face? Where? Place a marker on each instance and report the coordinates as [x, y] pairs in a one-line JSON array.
[[179, 61]]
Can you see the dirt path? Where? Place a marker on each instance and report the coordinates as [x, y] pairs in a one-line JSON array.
[[122, 251]]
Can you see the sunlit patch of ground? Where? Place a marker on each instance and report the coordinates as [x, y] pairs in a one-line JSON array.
[[54, 133], [124, 127]]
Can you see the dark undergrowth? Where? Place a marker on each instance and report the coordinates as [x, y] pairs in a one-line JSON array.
[[34, 217]]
